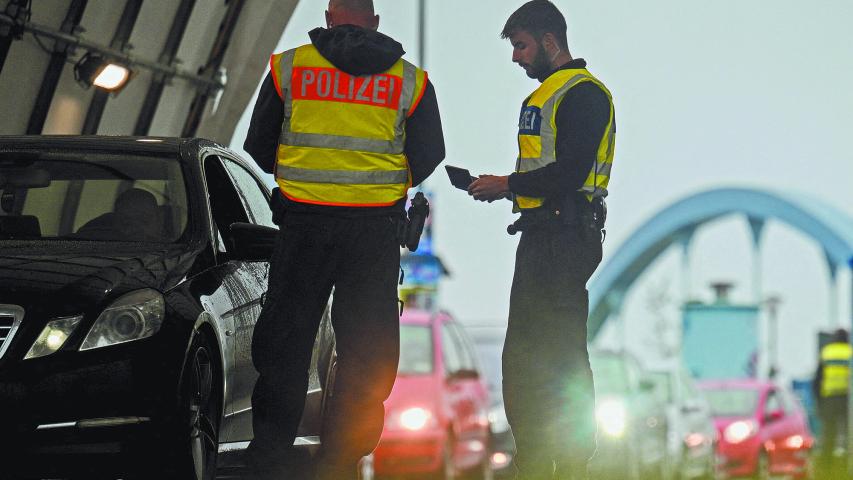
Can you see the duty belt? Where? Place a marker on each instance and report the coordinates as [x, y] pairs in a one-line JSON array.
[[585, 214]]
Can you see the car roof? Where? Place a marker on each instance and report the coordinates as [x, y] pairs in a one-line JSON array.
[[101, 142]]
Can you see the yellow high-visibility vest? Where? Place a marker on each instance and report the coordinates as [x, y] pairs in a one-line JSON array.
[[835, 361], [537, 135], [343, 136]]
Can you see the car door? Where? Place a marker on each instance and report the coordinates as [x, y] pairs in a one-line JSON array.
[[255, 199], [237, 302], [777, 424]]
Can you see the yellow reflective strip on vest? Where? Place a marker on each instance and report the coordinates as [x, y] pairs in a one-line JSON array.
[[529, 146], [835, 360]]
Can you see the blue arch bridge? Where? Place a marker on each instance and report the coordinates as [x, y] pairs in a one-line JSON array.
[[675, 226]]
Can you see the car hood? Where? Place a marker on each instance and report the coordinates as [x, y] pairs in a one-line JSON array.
[[72, 277], [413, 391]]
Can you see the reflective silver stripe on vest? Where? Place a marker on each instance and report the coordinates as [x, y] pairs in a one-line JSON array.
[[548, 136], [528, 164], [345, 177], [338, 142], [285, 81], [407, 96]]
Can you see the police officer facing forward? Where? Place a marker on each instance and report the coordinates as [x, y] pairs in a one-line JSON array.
[[347, 127], [831, 384], [565, 136]]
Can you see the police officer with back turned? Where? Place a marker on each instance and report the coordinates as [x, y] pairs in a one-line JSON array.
[[347, 126], [566, 137]]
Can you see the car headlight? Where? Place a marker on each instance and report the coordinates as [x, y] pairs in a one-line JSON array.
[[53, 337], [134, 316], [612, 417], [740, 431]]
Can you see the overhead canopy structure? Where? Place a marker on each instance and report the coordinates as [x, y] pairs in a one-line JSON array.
[[195, 64], [828, 226]]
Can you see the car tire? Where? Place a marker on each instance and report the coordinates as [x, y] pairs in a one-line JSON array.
[[195, 428]]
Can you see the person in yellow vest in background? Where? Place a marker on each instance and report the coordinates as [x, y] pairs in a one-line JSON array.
[[831, 387], [347, 127], [566, 138]]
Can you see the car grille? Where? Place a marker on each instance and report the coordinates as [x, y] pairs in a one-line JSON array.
[[10, 320]]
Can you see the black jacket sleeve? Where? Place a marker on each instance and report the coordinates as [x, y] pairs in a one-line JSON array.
[[424, 136], [581, 120], [265, 127]]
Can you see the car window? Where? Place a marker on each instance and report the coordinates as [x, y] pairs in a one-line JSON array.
[[732, 402], [254, 197], [225, 205], [773, 402], [467, 356], [450, 351], [92, 196], [416, 352]]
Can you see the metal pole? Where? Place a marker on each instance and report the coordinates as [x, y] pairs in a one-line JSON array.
[[54, 69], [167, 57], [217, 53]]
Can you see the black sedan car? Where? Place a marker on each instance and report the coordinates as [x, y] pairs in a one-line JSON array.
[[132, 272]]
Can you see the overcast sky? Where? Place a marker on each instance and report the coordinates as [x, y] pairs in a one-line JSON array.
[[707, 94]]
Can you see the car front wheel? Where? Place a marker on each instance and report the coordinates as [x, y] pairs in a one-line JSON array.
[[193, 446]]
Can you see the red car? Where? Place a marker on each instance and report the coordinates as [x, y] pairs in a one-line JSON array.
[[762, 429], [436, 419]]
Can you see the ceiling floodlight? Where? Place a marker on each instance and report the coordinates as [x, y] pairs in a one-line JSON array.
[[93, 69]]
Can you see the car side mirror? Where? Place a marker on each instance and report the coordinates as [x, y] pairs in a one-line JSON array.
[[250, 243], [775, 415]]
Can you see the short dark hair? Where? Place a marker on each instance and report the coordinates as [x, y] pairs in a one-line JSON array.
[[538, 17]]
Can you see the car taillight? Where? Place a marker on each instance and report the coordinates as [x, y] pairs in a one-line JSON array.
[[415, 418]]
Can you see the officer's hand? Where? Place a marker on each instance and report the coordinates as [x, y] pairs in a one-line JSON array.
[[489, 188]]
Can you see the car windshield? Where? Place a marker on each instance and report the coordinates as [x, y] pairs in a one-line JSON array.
[[731, 402], [415, 350], [609, 374], [91, 196]]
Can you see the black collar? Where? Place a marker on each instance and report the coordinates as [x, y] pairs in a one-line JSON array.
[[574, 63]]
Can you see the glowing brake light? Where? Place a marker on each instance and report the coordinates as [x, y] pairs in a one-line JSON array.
[[415, 418]]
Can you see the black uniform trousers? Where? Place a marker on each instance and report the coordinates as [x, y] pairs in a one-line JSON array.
[[360, 257], [547, 380], [832, 412]]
